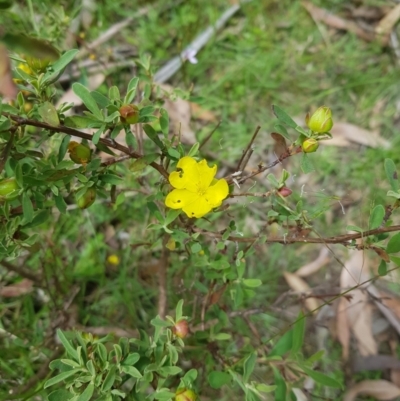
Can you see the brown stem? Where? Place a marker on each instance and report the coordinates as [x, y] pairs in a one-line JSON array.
[[23, 272], [111, 143], [162, 279], [241, 165]]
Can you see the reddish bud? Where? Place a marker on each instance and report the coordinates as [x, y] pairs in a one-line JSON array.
[[285, 192], [80, 154], [129, 114], [181, 329]]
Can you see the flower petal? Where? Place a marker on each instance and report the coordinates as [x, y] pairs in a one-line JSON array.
[[217, 193], [205, 174], [188, 167], [198, 208], [179, 198]]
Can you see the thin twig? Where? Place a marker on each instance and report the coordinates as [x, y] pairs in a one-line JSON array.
[[241, 165], [162, 279], [208, 137], [23, 272]]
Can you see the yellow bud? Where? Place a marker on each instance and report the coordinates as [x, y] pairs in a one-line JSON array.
[[185, 394], [129, 114], [79, 153], [113, 260], [321, 121], [310, 145], [87, 199], [171, 244]]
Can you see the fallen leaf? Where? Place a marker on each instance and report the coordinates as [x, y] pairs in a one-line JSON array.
[[358, 310], [325, 16], [202, 114], [7, 86], [375, 362], [386, 24], [380, 389], [23, 287], [298, 284], [312, 267]]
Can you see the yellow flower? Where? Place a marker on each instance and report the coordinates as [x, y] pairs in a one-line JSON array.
[[196, 191], [113, 260]]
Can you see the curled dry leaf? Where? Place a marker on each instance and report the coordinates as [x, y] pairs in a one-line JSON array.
[[357, 309], [298, 284], [7, 86], [312, 267], [380, 389], [25, 286], [386, 24]]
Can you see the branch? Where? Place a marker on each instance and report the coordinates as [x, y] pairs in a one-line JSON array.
[[73, 132], [23, 272], [343, 239]]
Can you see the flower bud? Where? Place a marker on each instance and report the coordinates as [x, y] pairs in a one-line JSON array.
[[129, 114], [7, 187], [181, 329], [321, 121], [87, 199], [79, 153], [310, 145], [184, 394], [284, 192]]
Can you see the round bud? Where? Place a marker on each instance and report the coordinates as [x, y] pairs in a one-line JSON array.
[[87, 199], [181, 329], [185, 394], [321, 121], [310, 145], [79, 153], [8, 187], [129, 114], [285, 192]]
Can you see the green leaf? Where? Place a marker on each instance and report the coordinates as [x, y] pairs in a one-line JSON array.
[[27, 208], [39, 219], [218, 379], [354, 228], [283, 117], [83, 93], [143, 162], [131, 93], [131, 359], [131, 371], [113, 93], [62, 376], [174, 153], [158, 322], [152, 134], [306, 164], [30, 46], [391, 174], [60, 395], [376, 218], [315, 357], [382, 268], [322, 378], [49, 114], [393, 194], [196, 247], [64, 60], [111, 179], [71, 351], [298, 333], [63, 148], [178, 310], [194, 149], [281, 129], [164, 122], [60, 203], [264, 388], [395, 260], [280, 391], [102, 351], [252, 282], [248, 366], [87, 394], [110, 379], [222, 336], [97, 134], [393, 245], [283, 345], [170, 370]]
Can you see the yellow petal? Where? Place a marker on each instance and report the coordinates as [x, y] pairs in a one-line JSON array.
[[179, 198], [198, 208], [188, 169], [205, 174], [217, 193]]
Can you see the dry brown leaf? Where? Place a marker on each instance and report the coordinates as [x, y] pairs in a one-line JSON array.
[[358, 309], [180, 114], [386, 24], [390, 301], [380, 389], [343, 328], [202, 114], [23, 287], [298, 284], [7, 86], [325, 16], [312, 267]]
